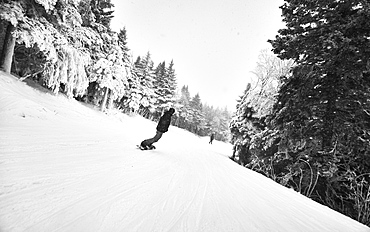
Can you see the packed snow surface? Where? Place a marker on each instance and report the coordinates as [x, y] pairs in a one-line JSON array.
[[65, 166]]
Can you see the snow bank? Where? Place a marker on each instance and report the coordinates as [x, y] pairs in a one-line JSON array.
[[67, 167]]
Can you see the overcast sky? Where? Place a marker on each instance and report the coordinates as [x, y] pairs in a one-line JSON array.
[[214, 43]]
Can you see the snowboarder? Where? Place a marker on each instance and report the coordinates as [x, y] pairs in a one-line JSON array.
[[162, 127], [212, 137]]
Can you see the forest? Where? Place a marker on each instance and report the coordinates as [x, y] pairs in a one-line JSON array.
[[69, 47], [306, 122]]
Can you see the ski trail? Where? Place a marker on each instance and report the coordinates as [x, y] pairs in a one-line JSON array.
[[65, 167]]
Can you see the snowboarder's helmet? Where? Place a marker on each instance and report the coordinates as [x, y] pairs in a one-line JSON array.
[[171, 110]]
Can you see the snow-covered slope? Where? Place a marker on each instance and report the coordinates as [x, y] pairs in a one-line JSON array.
[[67, 167]]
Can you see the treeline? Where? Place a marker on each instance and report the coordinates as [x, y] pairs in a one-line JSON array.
[[306, 123], [69, 47], [200, 118], [155, 89]]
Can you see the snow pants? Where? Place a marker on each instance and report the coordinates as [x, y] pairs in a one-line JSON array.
[[149, 142]]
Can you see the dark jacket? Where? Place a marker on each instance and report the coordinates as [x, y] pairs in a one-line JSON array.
[[164, 122]]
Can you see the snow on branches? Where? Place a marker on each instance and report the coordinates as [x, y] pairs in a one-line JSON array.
[[47, 4], [64, 64], [61, 44], [109, 69], [72, 55], [11, 12], [69, 70]]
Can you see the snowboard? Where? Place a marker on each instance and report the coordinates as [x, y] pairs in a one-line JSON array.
[[144, 148]]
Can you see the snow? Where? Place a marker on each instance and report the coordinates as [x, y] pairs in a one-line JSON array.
[[66, 167]]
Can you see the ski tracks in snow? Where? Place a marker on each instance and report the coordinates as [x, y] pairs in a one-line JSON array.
[[64, 167], [70, 179], [65, 179]]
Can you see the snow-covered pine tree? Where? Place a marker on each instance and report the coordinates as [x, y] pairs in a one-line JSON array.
[[122, 42], [216, 121], [165, 87], [172, 82], [240, 100], [132, 80], [103, 11], [247, 126], [109, 70], [44, 44], [224, 131], [185, 96], [160, 88], [209, 114], [196, 117], [131, 102], [145, 95], [183, 107], [200, 118]]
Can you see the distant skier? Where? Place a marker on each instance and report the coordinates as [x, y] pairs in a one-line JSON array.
[[211, 138], [162, 127]]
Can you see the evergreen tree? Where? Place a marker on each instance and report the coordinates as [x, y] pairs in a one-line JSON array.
[[110, 70], [172, 82], [200, 118], [143, 69], [322, 112], [110, 66], [248, 123], [102, 10], [128, 103], [185, 96], [183, 108], [165, 85], [160, 71], [196, 103], [224, 125], [239, 101], [161, 88], [46, 47], [56, 46], [216, 121], [195, 115], [122, 40], [209, 115], [131, 102]]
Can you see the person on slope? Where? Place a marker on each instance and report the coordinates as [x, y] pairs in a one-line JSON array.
[[162, 127], [211, 138]]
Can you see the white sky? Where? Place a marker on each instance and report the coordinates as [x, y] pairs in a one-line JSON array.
[[214, 43]]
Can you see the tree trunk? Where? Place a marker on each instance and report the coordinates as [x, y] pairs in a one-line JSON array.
[[104, 99], [110, 102], [6, 57]]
